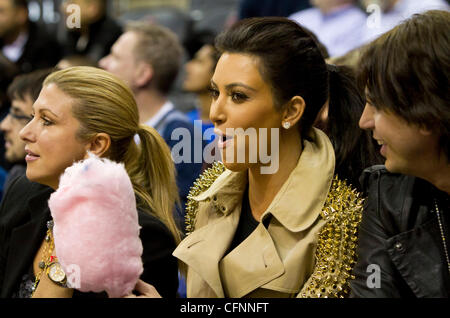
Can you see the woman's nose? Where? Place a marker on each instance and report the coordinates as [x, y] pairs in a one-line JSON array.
[[216, 112], [26, 133]]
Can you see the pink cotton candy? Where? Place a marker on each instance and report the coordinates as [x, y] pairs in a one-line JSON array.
[[96, 229]]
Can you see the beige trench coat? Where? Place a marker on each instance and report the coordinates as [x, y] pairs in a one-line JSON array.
[[274, 261]]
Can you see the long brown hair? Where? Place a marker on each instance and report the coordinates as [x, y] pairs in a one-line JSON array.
[[406, 71]]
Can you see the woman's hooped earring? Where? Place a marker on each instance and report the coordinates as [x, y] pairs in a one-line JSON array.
[[286, 125]]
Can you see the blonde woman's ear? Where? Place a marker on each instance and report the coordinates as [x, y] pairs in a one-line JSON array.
[[99, 144]]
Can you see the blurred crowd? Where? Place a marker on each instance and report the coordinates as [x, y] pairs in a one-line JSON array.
[[342, 27]]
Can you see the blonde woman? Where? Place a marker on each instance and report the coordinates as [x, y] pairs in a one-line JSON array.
[[83, 109]]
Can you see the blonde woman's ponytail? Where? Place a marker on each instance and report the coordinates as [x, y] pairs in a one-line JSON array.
[[153, 173]]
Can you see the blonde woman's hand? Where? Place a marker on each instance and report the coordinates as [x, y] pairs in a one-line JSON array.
[[144, 290]]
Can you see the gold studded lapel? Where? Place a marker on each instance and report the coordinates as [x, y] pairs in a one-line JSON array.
[[221, 188], [336, 248]]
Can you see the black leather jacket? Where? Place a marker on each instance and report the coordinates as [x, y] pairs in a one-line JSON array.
[[400, 233]]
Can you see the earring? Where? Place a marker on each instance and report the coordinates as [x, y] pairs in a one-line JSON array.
[[286, 125]]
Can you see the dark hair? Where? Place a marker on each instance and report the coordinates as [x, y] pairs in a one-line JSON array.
[[322, 48], [8, 70], [196, 40], [20, 3], [215, 56], [406, 71], [29, 84], [291, 61], [355, 148]]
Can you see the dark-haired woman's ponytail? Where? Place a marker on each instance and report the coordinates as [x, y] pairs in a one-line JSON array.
[[354, 148]]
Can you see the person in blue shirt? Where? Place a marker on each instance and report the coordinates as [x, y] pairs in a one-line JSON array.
[[337, 24]]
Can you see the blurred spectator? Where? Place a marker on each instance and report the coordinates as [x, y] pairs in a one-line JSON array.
[[23, 92], [23, 42], [392, 12], [175, 19], [8, 70], [97, 34], [148, 57], [199, 71], [76, 60], [181, 23], [338, 24], [196, 40], [266, 8]]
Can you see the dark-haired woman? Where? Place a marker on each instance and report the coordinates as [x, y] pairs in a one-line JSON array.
[[288, 232]]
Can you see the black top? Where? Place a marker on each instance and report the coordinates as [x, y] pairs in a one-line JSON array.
[[41, 50], [102, 35], [26, 285], [247, 223], [23, 215]]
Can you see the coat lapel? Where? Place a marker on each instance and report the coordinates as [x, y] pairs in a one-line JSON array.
[[25, 241], [203, 249], [250, 265]]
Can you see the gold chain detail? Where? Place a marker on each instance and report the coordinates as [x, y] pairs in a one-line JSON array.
[[46, 254], [336, 247], [203, 182]]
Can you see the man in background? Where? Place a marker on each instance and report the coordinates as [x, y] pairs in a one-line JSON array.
[[26, 44], [22, 92]]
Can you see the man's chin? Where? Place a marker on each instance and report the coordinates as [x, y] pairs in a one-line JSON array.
[[14, 159], [394, 168]]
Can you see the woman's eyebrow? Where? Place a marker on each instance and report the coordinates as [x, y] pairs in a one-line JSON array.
[[232, 85], [41, 110]]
